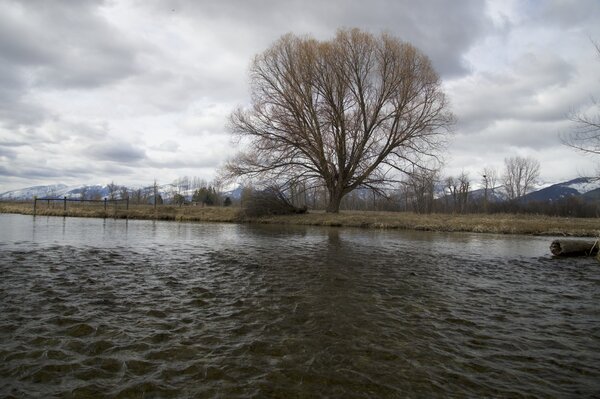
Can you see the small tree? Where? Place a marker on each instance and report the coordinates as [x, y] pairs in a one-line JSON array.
[[112, 190], [451, 191], [205, 195], [463, 190], [489, 178], [178, 199], [124, 192], [421, 189], [520, 175], [227, 201]]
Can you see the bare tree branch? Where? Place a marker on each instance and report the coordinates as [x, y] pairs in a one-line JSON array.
[[585, 136]]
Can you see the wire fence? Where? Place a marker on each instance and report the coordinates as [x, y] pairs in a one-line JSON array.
[[108, 205]]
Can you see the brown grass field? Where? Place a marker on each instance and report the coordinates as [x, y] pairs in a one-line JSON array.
[[478, 223]]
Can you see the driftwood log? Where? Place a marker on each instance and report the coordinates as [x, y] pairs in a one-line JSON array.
[[574, 247]]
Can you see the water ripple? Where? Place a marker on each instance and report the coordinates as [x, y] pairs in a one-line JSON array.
[[241, 311]]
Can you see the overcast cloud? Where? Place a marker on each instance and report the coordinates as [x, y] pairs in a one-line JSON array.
[[135, 90]]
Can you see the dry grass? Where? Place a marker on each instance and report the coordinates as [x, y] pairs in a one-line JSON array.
[[478, 223], [96, 210], [497, 223]]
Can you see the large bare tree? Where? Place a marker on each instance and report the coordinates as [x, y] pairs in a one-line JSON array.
[[355, 111], [520, 174]]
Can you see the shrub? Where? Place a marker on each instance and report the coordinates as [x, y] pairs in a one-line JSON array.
[[270, 201]]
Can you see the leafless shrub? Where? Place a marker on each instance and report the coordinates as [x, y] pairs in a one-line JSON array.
[[270, 201]]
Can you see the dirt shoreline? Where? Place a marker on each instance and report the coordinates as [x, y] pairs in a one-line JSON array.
[[476, 223]]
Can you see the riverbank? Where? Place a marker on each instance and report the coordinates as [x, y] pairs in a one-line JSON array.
[[477, 223]]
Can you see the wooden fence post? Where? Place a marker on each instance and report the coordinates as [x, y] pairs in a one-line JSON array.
[[65, 204], [34, 204]]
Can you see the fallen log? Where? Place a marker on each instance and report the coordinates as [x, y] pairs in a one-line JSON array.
[[574, 247]]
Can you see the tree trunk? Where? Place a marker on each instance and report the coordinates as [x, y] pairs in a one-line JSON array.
[[334, 202]]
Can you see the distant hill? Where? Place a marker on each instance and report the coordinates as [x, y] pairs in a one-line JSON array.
[[586, 187], [56, 191], [496, 194], [166, 191]]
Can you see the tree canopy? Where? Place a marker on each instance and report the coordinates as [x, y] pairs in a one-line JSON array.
[[355, 111]]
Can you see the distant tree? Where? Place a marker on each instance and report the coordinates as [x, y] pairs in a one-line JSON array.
[[178, 199], [421, 189], [198, 183], [451, 191], [124, 192], [138, 196], [96, 195], [156, 197], [463, 191], [183, 184], [112, 190], [356, 111], [489, 179], [520, 174], [211, 197], [227, 201], [205, 195]]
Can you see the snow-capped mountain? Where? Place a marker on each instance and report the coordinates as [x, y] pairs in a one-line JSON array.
[[59, 191], [54, 190], [99, 191], [586, 187]]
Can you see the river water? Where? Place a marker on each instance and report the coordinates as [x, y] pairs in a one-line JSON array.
[[115, 308]]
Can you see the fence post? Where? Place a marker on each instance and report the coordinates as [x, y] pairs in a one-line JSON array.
[[65, 204], [127, 205], [34, 204]]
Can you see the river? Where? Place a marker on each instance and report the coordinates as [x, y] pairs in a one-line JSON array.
[[116, 308]]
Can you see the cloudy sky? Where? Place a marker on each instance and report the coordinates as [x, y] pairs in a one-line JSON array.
[[135, 90]]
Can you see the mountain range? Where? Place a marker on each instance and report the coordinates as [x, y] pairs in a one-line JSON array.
[[586, 188], [99, 191]]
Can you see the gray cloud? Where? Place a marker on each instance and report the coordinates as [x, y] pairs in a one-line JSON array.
[[7, 153], [168, 146], [120, 152], [535, 89], [567, 13], [60, 45], [443, 31], [15, 109], [66, 44], [41, 172]]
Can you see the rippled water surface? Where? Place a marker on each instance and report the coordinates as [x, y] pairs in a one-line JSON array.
[[93, 308]]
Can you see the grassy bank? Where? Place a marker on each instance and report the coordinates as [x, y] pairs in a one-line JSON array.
[[162, 212], [496, 223]]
